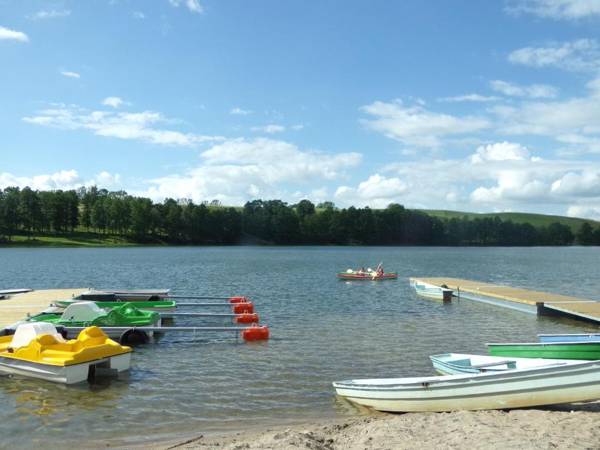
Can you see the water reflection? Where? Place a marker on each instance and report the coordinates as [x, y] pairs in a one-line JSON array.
[[322, 330]]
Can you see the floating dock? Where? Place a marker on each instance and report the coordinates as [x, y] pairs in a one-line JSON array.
[[16, 306], [536, 302]]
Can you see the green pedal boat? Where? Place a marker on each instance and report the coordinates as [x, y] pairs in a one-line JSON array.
[[86, 314], [555, 350], [153, 305]]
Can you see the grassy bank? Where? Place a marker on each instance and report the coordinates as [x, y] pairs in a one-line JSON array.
[[74, 239], [537, 220]]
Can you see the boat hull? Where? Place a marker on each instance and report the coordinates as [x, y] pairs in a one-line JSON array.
[[431, 291], [507, 390], [71, 374], [557, 350], [367, 277]]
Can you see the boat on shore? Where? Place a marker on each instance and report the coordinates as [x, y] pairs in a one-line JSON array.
[[516, 388], [459, 363], [550, 350], [36, 350], [592, 337], [431, 290]]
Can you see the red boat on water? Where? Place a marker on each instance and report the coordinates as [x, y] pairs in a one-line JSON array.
[[369, 274]]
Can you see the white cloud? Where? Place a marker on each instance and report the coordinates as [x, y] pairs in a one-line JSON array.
[[193, 5], [579, 55], [500, 151], [376, 191], [142, 126], [585, 211], [559, 9], [138, 15], [240, 112], [297, 127], [115, 102], [69, 74], [269, 129], [12, 35], [477, 98], [49, 14], [532, 91], [239, 169], [63, 179], [416, 126]]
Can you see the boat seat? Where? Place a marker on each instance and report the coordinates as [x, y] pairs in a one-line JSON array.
[[510, 363], [82, 312], [28, 332]]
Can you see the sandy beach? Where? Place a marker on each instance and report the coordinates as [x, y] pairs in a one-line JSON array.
[[574, 426]]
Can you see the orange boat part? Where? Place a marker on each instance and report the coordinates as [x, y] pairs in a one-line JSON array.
[[246, 318], [256, 333], [239, 300], [243, 308]]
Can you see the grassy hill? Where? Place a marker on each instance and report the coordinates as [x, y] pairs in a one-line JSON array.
[[537, 220]]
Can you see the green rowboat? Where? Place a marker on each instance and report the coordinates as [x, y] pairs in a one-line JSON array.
[[556, 350]]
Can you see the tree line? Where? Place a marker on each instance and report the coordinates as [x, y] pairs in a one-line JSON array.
[[138, 219]]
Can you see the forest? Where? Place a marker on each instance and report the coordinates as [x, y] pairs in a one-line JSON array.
[[29, 213]]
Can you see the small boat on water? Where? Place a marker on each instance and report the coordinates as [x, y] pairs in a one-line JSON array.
[[154, 305], [85, 314], [36, 350], [592, 337], [458, 363], [516, 388], [431, 290], [108, 295], [551, 350], [368, 276]]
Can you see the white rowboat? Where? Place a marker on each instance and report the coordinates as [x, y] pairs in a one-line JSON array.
[[431, 290], [517, 388], [459, 363]]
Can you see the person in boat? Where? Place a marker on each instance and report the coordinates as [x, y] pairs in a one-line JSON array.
[[379, 270], [361, 271]]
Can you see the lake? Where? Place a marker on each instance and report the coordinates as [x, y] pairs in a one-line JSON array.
[[322, 330]]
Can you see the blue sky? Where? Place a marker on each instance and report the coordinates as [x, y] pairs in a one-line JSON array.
[[468, 105]]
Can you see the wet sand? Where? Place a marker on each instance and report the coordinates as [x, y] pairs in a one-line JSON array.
[[573, 426]]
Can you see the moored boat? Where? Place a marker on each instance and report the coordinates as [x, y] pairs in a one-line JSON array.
[[107, 295], [85, 314], [459, 363], [154, 305], [551, 350], [592, 337], [431, 290], [516, 388], [36, 350]]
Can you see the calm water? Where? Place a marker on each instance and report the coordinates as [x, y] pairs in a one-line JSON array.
[[322, 330]]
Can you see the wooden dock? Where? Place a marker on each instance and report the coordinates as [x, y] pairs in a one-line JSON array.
[[15, 307], [544, 303]]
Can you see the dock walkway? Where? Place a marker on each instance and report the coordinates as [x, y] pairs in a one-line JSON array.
[[544, 303], [15, 307]]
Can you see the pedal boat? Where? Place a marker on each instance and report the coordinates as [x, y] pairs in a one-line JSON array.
[[366, 276], [162, 306], [36, 350], [85, 314]]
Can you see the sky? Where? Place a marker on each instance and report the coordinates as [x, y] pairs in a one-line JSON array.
[[482, 106]]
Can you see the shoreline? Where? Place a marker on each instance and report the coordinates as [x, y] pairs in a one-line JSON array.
[[573, 426]]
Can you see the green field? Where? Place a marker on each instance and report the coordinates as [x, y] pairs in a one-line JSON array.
[[537, 220]]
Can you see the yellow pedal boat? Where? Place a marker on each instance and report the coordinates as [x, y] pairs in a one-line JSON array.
[[37, 350]]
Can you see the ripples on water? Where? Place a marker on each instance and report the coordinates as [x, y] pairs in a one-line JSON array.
[[322, 330]]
